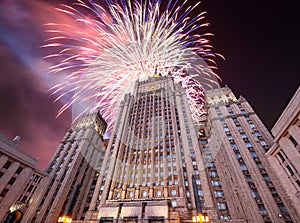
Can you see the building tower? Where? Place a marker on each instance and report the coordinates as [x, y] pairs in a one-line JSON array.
[[73, 174], [238, 143], [160, 166], [154, 168]]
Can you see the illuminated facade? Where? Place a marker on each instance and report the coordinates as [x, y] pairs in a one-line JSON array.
[[238, 141], [19, 178], [161, 166], [73, 173], [284, 155]]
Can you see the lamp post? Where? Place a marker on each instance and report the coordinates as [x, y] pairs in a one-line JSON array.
[[200, 218], [64, 219]]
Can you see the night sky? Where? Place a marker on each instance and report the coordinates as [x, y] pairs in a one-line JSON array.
[[259, 40]]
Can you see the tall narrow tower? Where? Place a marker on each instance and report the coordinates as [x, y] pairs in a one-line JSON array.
[[238, 143], [73, 173], [155, 166]]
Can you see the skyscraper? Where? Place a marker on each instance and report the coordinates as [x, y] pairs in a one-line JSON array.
[[162, 166], [73, 172]]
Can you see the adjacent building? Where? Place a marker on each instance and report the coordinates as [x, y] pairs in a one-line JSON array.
[[73, 173], [284, 155], [238, 142], [19, 178]]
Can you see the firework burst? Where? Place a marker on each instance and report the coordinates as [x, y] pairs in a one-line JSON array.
[[129, 41]]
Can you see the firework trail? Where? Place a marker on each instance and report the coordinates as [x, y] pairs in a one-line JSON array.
[[129, 41]]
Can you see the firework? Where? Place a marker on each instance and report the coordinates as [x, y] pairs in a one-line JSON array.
[[129, 41]]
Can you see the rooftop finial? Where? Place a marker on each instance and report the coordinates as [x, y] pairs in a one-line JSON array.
[[17, 139]]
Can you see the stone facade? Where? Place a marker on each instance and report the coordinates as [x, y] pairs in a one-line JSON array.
[[159, 165], [284, 155], [73, 173], [239, 142], [19, 178]]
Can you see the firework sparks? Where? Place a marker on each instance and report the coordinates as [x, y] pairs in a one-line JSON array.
[[128, 42]]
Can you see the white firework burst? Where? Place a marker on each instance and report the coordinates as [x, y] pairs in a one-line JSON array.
[[127, 42]]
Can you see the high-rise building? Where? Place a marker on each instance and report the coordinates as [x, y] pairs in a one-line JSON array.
[[73, 174], [284, 155], [160, 165], [19, 178], [238, 141]]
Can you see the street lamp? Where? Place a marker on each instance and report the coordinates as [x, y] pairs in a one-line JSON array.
[[200, 218], [65, 219]]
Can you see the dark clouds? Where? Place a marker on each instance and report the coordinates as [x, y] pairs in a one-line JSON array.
[[28, 110], [259, 40], [26, 106]]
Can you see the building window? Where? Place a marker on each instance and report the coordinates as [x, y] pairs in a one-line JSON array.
[[290, 170], [266, 178], [200, 193], [243, 166], [144, 193], [262, 210], [293, 141], [210, 164], [173, 193], [235, 120], [238, 155], [259, 165], [198, 182], [208, 156], [213, 173], [252, 126], [257, 133], [253, 154], [24, 199], [174, 203], [218, 193], [263, 143], [11, 181], [254, 193], [19, 170], [4, 192], [229, 137], [234, 146], [118, 195], [215, 183], [248, 144], [225, 217], [30, 188], [281, 157], [282, 209], [7, 164], [158, 193], [243, 135], [131, 193], [222, 205], [298, 183]]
